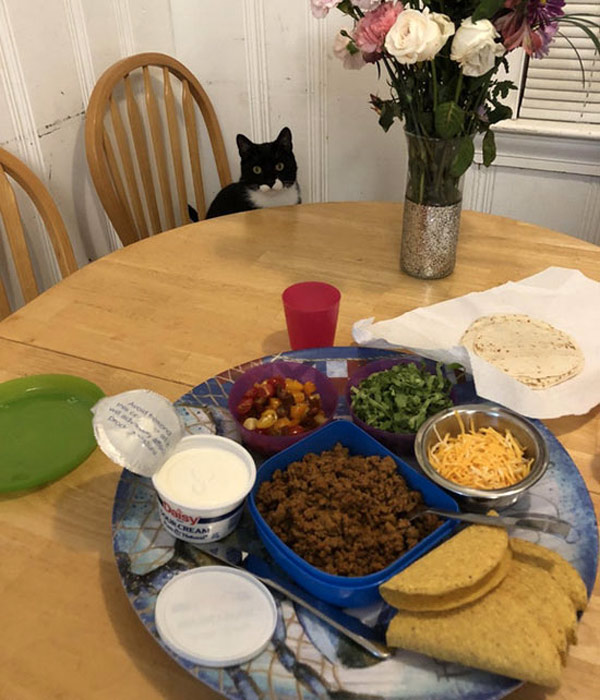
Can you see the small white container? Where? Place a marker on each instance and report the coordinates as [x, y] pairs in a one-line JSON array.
[[208, 518], [201, 481], [215, 616]]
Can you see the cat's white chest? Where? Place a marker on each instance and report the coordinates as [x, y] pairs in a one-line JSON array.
[[275, 198]]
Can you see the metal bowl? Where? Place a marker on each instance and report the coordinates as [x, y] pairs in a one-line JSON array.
[[483, 415]]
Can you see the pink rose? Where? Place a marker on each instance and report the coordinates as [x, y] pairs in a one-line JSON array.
[[320, 8], [371, 29]]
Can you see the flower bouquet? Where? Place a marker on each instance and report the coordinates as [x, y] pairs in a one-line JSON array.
[[442, 59]]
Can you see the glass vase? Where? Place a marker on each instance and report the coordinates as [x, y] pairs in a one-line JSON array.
[[432, 208]]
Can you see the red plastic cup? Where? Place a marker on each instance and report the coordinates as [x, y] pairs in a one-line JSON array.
[[311, 312]]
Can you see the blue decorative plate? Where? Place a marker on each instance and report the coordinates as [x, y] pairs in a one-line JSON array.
[[307, 659]]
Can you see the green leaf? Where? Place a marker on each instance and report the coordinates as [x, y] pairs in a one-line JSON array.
[[463, 158], [346, 7], [449, 120], [489, 148], [503, 87], [499, 113], [487, 9], [387, 114]]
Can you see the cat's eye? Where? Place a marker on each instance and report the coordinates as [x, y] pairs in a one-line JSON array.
[[257, 170], [279, 167]]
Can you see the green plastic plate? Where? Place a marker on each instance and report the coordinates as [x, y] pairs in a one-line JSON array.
[[45, 428]]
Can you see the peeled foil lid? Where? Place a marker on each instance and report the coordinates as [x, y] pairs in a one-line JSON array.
[[137, 429]]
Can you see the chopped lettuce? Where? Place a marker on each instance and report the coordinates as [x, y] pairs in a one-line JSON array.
[[400, 399]]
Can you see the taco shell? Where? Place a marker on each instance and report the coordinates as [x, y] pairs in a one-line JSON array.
[[501, 605], [496, 633], [563, 573], [549, 604], [459, 571]]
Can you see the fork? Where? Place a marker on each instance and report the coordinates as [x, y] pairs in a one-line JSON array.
[[541, 522]]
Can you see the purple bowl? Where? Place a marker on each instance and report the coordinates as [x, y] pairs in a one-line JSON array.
[[399, 443], [271, 444]]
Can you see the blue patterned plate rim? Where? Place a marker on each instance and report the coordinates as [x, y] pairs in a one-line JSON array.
[[306, 659]]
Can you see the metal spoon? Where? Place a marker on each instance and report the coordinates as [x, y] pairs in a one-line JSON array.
[[540, 522]]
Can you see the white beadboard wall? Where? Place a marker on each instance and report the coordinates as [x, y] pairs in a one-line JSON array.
[[265, 64]]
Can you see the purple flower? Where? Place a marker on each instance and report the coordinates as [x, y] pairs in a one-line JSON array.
[[531, 24]]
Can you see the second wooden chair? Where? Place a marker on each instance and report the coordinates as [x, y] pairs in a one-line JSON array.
[[13, 170], [128, 151]]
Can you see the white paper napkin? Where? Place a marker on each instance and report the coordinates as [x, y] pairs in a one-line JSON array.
[[565, 298]]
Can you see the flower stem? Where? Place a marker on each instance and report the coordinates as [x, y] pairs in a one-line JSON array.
[[394, 83], [435, 90], [479, 101], [459, 83]]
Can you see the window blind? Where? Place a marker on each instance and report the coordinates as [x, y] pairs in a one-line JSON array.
[[554, 87]]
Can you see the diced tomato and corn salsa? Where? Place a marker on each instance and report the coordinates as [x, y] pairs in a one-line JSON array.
[[281, 406]]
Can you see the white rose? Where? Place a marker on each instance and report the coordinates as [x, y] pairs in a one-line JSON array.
[[352, 61], [474, 47], [418, 36]]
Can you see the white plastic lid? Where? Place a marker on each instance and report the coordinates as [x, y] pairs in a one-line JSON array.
[[215, 616]]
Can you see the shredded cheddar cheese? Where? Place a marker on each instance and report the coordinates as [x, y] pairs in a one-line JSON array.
[[483, 458]]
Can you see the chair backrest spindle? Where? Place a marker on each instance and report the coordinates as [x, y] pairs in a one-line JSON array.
[[127, 161], [175, 141], [143, 157], [194, 148]]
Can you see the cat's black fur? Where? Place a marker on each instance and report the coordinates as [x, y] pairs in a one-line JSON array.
[[274, 185]]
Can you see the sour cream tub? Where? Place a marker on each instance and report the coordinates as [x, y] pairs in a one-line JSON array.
[[202, 486], [201, 481]]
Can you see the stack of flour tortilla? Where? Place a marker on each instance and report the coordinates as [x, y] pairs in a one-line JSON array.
[[501, 605], [532, 351]]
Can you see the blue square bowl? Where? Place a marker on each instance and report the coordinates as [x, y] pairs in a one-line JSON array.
[[346, 591]]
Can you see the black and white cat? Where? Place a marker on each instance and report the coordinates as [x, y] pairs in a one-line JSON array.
[[268, 177]]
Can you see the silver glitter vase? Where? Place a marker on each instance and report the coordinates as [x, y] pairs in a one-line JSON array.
[[432, 208]]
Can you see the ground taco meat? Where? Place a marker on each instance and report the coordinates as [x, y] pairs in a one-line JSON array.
[[342, 513]]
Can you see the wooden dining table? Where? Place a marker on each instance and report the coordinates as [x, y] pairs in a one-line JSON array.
[[167, 313]]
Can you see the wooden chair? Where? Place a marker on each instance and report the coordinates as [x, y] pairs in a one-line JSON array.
[[13, 227], [125, 170]]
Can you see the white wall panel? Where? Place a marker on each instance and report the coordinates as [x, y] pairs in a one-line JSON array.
[[201, 30], [8, 135], [102, 33], [364, 162], [46, 57], [289, 82], [151, 25]]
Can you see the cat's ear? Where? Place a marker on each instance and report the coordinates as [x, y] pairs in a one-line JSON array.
[[285, 139], [244, 144]]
